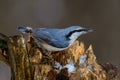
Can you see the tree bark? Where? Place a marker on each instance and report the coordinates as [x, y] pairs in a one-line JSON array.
[[28, 62]]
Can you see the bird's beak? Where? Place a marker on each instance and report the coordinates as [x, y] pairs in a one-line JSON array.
[[87, 30]]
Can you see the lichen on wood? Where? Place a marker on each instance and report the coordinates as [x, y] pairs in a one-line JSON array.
[[29, 62]]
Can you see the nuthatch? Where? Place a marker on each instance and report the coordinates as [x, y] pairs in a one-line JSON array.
[[55, 39]]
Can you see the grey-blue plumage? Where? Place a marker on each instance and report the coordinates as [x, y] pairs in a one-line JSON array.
[[52, 37], [55, 39]]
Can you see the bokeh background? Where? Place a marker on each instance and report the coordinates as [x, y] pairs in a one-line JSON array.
[[101, 15]]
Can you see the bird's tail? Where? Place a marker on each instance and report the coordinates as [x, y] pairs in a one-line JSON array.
[[25, 29]]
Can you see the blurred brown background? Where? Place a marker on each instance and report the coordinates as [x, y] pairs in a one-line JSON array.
[[101, 15]]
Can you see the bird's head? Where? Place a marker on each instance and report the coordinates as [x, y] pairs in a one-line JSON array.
[[76, 31]]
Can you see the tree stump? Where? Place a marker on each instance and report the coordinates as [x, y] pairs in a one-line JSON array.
[[28, 62]]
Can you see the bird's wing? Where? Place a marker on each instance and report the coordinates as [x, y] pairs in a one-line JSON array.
[[50, 38]]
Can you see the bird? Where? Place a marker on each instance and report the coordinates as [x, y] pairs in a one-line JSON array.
[[55, 39]]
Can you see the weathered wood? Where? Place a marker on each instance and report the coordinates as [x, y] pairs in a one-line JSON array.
[[28, 62], [18, 58]]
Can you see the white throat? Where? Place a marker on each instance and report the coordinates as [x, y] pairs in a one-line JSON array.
[[74, 36]]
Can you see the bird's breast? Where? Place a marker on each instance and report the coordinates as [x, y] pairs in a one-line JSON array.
[[52, 48]]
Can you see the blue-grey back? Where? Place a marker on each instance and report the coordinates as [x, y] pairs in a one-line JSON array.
[[57, 33], [53, 37]]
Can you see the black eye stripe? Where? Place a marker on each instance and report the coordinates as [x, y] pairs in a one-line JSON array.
[[71, 32]]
